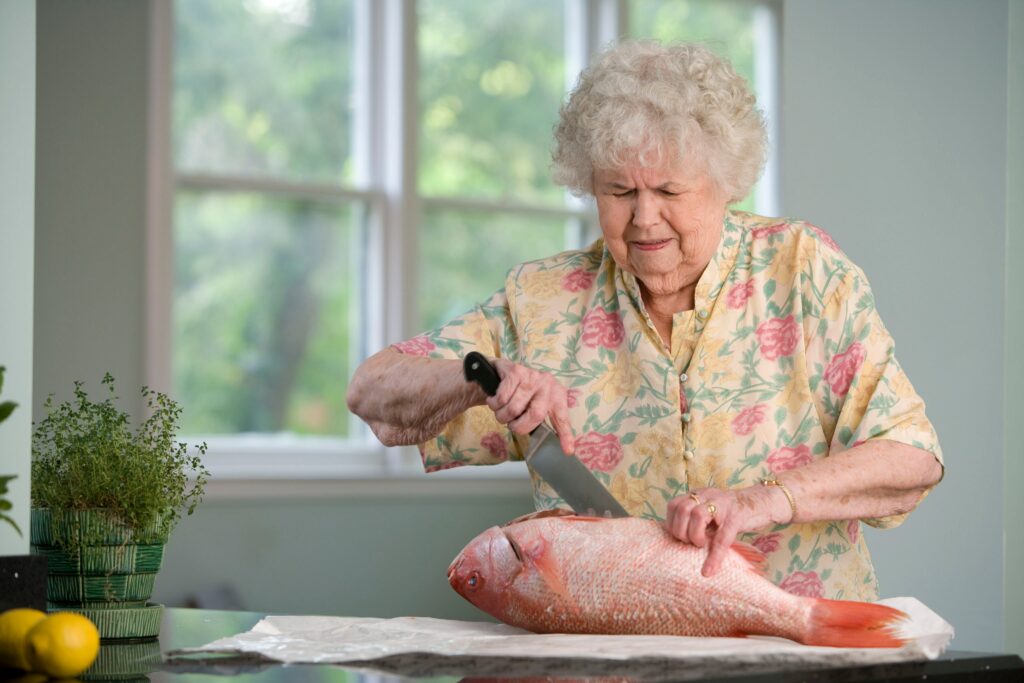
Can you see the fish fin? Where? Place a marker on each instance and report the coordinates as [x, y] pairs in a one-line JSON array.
[[843, 623], [758, 561], [548, 568], [540, 514], [555, 512]]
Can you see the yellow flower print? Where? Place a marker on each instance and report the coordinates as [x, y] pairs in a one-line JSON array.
[[664, 451], [543, 285], [622, 379], [537, 344], [713, 433], [860, 396], [632, 493], [795, 396], [722, 367]]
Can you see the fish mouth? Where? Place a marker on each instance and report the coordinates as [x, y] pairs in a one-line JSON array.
[[453, 570]]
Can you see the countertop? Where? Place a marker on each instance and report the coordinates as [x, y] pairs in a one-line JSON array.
[[192, 628]]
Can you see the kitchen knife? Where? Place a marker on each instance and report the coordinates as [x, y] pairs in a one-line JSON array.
[[569, 477]]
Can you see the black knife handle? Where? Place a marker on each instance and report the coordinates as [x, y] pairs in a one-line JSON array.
[[478, 369]]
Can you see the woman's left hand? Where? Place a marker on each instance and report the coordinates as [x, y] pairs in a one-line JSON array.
[[714, 517]]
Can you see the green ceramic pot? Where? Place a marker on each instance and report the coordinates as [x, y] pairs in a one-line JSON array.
[[109, 578]]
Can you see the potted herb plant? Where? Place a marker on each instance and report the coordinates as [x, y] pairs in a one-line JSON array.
[[105, 498], [22, 577]]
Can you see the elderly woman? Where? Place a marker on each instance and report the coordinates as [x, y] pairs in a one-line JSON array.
[[720, 371]]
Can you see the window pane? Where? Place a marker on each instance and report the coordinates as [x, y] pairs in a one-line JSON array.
[[465, 255], [492, 76], [263, 87], [265, 294], [727, 28]]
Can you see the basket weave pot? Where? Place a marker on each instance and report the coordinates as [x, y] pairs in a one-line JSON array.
[[108, 578]]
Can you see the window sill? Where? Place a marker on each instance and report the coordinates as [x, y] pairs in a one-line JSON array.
[[254, 467]]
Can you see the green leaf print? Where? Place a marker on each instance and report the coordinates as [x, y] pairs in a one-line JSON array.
[[628, 438], [844, 435], [835, 550], [794, 543], [819, 448], [769, 288], [592, 402], [780, 416]]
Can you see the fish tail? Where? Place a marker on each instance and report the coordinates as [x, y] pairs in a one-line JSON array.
[[844, 623]]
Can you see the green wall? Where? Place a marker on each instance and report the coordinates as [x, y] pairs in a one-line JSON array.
[[17, 166], [1014, 397], [365, 556], [894, 141], [91, 194]]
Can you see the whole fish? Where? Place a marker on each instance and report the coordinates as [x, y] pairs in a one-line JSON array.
[[573, 574]]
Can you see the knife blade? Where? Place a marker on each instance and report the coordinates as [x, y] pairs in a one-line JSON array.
[[569, 477]]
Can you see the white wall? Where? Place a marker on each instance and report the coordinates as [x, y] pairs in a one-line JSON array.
[[17, 182], [894, 140]]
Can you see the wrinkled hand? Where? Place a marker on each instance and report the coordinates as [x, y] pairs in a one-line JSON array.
[[527, 397], [735, 511]]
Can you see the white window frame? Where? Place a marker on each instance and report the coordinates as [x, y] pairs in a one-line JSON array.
[[385, 148]]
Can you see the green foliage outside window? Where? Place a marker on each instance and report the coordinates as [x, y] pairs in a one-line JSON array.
[[268, 291]]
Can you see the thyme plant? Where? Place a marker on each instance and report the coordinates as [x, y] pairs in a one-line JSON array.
[[85, 455]]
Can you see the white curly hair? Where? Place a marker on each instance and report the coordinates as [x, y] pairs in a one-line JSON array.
[[648, 103]]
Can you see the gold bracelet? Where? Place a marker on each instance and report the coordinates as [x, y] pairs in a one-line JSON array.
[[773, 481]]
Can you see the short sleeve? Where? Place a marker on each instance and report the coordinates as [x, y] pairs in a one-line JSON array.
[[475, 437], [860, 389]]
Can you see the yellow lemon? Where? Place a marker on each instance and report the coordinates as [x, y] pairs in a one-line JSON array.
[[14, 625], [62, 645]]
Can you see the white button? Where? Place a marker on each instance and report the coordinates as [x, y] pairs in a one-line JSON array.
[[686, 417], [702, 314], [683, 377], [688, 455]]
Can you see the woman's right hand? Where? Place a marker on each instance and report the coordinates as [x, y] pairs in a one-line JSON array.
[[527, 397]]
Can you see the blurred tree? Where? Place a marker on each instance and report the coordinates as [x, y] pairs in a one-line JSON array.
[[267, 291]]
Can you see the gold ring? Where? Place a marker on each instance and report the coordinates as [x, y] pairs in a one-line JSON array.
[[695, 498], [712, 510]]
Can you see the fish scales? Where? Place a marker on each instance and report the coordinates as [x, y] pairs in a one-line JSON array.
[[571, 574]]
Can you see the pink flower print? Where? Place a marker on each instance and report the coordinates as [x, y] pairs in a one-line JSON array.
[[786, 458], [778, 337], [495, 445], [844, 367], [599, 451], [768, 543], [578, 280], [572, 397], [758, 233], [602, 328], [853, 530], [744, 423], [825, 237], [807, 584], [417, 346], [739, 293]]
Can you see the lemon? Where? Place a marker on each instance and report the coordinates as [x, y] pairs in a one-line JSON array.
[[62, 645], [14, 625]]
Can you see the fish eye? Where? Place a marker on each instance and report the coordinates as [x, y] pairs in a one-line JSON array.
[[475, 581]]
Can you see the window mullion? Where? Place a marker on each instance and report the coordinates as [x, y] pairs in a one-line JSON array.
[[394, 247]]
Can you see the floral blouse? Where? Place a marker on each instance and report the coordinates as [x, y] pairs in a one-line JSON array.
[[783, 360]]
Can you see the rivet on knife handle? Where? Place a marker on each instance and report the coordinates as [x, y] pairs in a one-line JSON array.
[[478, 369]]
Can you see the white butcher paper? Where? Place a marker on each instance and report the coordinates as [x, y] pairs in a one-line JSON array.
[[339, 640]]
